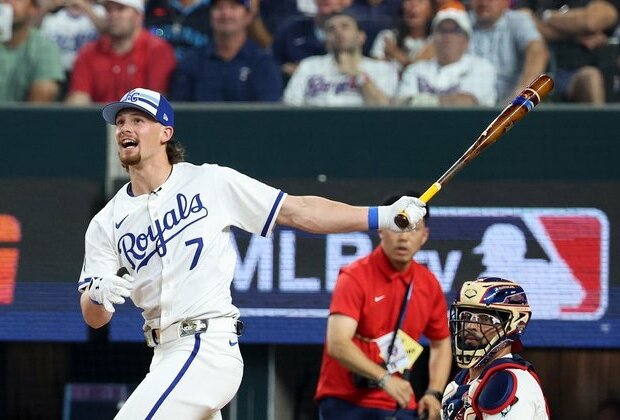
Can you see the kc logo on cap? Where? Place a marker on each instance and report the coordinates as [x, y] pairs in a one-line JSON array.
[[149, 101]]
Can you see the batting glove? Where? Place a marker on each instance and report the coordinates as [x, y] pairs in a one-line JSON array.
[[110, 290], [382, 217]]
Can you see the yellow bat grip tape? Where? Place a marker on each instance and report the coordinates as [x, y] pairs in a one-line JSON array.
[[430, 192]]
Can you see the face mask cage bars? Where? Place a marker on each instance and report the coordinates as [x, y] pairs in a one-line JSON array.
[[466, 322]]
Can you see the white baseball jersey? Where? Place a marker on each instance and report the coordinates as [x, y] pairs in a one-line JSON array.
[[528, 400], [317, 81], [176, 241], [70, 32], [471, 74], [412, 46]]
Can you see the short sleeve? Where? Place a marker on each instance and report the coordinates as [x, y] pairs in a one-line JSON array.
[[524, 29], [294, 92], [250, 204], [100, 257], [348, 297], [378, 47], [49, 66], [437, 326], [82, 78]]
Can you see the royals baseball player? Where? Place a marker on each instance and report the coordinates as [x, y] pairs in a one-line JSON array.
[[170, 228]]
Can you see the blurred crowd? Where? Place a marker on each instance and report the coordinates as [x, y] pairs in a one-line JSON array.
[[308, 52]]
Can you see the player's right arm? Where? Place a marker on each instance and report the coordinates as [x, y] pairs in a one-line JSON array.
[[101, 288], [94, 315], [340, 346]]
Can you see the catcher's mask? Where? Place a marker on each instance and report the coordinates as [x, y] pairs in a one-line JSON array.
[[488, 314]]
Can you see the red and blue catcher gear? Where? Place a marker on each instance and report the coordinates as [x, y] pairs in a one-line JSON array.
[[494, 392], [488, 302]]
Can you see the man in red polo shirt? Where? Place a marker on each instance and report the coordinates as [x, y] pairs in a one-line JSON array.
[[127, 56], [373, 297]]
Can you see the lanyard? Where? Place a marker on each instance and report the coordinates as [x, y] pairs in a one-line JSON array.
[[399, 321]]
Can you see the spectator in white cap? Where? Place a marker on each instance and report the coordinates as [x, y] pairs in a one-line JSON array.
[[453, 77], [125, 57]]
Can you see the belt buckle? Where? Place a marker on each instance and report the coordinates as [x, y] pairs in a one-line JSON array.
[[192, 327]]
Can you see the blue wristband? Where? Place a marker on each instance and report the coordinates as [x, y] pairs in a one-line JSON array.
[[373, 218]]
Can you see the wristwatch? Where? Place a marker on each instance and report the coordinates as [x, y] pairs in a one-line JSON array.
[[384, 379], [434, 393]]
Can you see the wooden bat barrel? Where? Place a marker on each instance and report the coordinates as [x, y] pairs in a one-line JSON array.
[[514, 112]]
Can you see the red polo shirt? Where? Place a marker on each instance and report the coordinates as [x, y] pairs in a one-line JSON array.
[[106, 76], [371, 291]]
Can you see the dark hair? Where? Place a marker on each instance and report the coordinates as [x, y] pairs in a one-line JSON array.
[[392, 198], [175, 151], [341, 13], [402, 30]]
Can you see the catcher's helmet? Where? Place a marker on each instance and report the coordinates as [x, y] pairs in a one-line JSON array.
[[496, 305]]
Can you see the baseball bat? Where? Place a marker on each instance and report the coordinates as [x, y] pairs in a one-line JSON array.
[[122, 271], [514, 112]]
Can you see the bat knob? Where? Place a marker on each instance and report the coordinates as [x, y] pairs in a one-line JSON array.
[[401, 220], [122, 271]]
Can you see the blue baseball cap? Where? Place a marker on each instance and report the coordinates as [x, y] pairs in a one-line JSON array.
[[149, 101]]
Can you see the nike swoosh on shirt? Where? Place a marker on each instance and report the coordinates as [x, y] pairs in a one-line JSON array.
[[379, 298], [118, 225], [232, 343]]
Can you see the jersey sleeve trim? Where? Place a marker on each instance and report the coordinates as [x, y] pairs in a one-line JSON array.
[[83, 284], [274, 211]]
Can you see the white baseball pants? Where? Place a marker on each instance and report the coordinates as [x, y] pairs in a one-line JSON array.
[[189, 378]]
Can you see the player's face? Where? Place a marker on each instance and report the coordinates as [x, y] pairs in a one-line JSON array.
[[479, 328], [343, 34], [122, 20], [401, 247], [138, 137]]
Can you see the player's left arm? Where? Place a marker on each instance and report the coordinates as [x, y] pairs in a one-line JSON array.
[[439, 365], [320, 215]]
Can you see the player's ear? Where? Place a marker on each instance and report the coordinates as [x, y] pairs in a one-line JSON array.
[[425, 233], [167, 134]]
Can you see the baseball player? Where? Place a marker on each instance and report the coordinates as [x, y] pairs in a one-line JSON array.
[[486, 322], [169, 226]]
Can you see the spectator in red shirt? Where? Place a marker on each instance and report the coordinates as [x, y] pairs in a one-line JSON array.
[[125, 57], [375, 296]]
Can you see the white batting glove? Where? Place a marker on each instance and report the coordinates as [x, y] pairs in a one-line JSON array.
[[413, 207], [110, 290]]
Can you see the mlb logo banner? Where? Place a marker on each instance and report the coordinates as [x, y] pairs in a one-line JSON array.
[[559, 256]]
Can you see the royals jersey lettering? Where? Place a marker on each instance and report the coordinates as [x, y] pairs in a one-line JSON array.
[[175, 241], [318, 81]]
